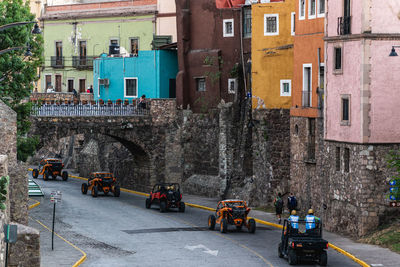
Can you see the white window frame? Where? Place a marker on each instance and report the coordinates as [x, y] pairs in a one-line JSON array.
[[224, 28], [293, 23], [137, 87], [290, 87], [319, 74], [305, 4], [265, 24], [320, 15], [205, 83], [308, 65], [235, 86], [98, 87], [309, 10]]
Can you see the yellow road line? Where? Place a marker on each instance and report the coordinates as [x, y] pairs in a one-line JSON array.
[[34, 205], [347, 254], [82, 259]]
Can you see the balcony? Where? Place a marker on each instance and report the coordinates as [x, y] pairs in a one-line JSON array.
[[57, 62], [81, 63], [306, 101], [344, 25]]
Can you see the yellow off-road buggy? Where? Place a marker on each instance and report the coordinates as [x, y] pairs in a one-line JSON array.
[[101, 182], [50, 167]]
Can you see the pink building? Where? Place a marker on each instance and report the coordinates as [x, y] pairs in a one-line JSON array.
[[362, 96]]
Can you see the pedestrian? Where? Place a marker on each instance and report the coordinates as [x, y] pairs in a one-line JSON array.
[[291, 203], [142, 102], [91, 89], [278, 203], [75, 93]]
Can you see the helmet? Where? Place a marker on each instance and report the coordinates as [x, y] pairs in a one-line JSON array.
[[294, 212], [310, 211]]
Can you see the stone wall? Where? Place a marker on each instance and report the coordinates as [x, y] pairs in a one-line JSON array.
[[8, 133], [26, 252], [4, 215]]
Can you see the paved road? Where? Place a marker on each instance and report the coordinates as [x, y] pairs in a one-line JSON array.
[[121, 232]]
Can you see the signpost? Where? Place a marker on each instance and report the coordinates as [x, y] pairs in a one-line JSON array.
[[55, 197], [10, 236], [394, 194]]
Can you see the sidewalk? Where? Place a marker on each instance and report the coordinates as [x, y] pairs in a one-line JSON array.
[[373, 255]]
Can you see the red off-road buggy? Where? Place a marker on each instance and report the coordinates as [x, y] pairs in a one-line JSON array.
[[167, 195]]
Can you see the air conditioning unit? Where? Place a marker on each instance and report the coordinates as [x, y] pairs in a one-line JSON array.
[[105, 82]]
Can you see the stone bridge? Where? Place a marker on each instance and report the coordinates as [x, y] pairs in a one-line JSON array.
[[140, 138]]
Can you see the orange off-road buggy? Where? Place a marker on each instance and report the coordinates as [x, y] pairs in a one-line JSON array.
[[50, 167], [101, 182], [233, 212], [167, 195]]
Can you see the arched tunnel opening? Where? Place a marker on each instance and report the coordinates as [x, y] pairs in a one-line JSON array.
[[90, 152]]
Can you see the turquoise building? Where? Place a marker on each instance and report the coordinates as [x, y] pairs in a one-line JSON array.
[[151, 73]]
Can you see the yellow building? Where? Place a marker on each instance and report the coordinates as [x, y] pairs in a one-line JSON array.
[[272, 54], [36, 9]]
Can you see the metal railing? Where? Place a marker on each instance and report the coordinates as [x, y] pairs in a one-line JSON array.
[[89, 109], [57, 62], [306, 100], [82, 62], [344, 25]]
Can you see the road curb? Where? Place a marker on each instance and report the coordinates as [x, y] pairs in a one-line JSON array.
[[342, 251], [34, 205]]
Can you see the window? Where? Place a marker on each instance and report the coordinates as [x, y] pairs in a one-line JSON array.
[[302, 9], [286, 87], [312, 8], [201, 84], [338, 58], [321, 8], [307, 90], [58, 83], [228, 29], [130, 89], [345, 112], [271, 24], [247, 22], [134, 42], [293, 23], [82, 49], [48, 81], [82, 85], [114, 42], [321, 76], [338, 158], [346, 159], [232, 86], [58, 50], [70, 85]]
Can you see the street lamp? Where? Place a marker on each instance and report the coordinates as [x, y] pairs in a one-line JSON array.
[[393, 52], [36, 30]]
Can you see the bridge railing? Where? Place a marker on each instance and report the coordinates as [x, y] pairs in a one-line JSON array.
[[89, 109]]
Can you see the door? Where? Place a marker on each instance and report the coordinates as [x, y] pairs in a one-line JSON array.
[[48, 81], [58, 83], [82, 85], [70, 85], [172, 88]]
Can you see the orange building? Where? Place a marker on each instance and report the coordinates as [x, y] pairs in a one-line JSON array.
[[306, 123]]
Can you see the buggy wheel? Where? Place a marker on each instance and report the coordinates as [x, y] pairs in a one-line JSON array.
[[323, 258], [182, 206], [64, 176], [35, 173], [252, 226], [105, 193], [239, 228], [292, 257], [117, 191], [163, 206], [280, 254], [84, 188], [45, 175], [148, 203], [223, 226], [95, 191], [211, 222]]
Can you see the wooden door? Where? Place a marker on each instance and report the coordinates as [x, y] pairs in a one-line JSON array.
[[58, 83]]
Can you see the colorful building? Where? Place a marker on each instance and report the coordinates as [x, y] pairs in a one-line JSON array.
[[151, 73], [212, 48], [272, 54], [306, 116], [360, 116], [75, 34]]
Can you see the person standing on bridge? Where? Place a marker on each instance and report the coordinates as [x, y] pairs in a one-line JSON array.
[[142, 102]]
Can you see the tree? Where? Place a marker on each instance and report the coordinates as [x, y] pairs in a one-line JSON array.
[[17, 71]]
